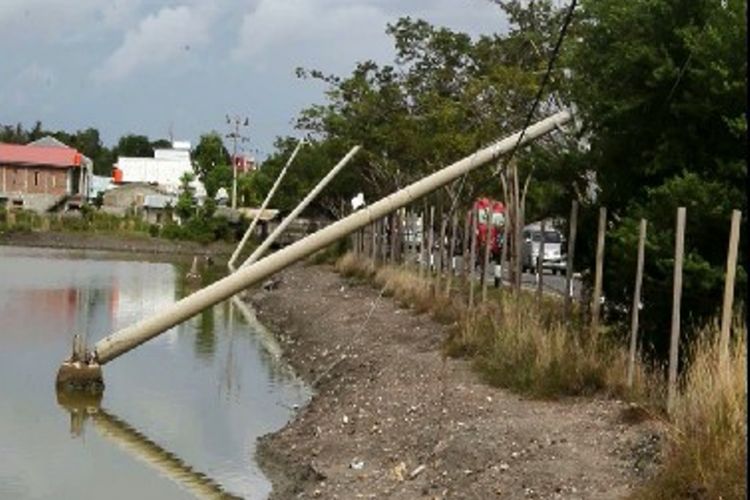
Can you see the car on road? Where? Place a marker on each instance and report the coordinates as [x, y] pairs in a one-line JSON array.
[[554, 258]]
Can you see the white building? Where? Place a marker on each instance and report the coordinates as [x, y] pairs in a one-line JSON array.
[[165, 169]]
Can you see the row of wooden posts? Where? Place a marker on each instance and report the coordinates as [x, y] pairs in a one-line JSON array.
[[393, 240]]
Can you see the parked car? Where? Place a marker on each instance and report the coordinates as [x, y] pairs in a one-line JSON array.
[[554, 258]]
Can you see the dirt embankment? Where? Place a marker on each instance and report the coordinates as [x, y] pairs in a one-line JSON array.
[[392, 418], [112, 242]]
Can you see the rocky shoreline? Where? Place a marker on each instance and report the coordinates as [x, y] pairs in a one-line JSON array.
[[392, 418]]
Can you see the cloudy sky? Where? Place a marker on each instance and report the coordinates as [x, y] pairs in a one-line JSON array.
[[143, 66]]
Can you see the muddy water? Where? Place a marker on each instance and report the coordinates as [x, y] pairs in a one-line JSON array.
[[180, 415]]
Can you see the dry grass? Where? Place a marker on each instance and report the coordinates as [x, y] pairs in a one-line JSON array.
[[408, 289], [708, 446], [514, 341], [519, 343], [525, 345]]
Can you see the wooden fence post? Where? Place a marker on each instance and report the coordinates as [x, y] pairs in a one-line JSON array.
[[441, 251], [504, 251], [726, 310], [431, 241], [466, 243], [518, 237], [472, 256], [540, 265], [451, 252], [486, 259], [384, 239], [571, 258], [674, 341], [596, 299], [636, 302], [396, 232], [374, 240], [422, 242]]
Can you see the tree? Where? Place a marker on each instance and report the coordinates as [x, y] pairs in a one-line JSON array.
[[210, 153], [445, 96], [660, 85], [133, 145], [186, 204], [216, 178]]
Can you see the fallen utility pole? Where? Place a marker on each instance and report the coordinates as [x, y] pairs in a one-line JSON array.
[[263, 206], [258, 252], [132, 336]]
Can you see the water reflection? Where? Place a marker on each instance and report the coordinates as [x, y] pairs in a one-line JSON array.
[[137, 445], [204, 390], [205, 342]]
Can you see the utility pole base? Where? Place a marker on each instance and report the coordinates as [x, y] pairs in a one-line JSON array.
[[75, 376]]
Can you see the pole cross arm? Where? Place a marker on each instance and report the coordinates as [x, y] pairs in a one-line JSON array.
[[132, 336]]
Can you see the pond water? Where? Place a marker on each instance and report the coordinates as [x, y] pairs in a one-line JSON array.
[[180, 414]]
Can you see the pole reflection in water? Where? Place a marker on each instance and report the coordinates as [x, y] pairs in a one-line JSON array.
[[136, 444]]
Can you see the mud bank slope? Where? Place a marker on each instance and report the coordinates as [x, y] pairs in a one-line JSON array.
[[391, 418], [112, 242]]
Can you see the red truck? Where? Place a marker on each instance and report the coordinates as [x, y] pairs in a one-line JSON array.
[[490, 222]]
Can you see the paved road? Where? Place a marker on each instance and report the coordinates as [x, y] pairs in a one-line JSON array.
[[552, 283]]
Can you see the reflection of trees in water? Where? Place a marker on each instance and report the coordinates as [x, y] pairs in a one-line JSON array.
[[205, 336]]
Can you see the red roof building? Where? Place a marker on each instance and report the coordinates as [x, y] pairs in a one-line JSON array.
[[40, 177]]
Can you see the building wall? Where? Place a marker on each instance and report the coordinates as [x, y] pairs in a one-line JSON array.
[[128, 196], [34, 180]]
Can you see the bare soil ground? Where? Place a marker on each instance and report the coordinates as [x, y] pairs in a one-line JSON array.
[[392, 418]]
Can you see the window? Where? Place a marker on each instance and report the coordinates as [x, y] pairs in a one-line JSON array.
[[552, 237], [482, 215], [498, 219], [36, 178], [549, 237]]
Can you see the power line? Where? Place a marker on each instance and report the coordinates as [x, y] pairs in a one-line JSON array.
[[545, 80]]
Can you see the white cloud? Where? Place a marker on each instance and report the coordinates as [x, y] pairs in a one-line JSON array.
[[36, 74], [309, 26], [159, 38], [58, 19], [334, 34]]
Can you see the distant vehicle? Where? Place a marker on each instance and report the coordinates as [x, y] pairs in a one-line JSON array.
[[554, 259], [411, 226], [490, 223]]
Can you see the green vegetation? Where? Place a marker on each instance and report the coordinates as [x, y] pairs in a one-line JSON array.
[[662, 109], [661, 88], [201, 227], [88, 220], [212, 163]]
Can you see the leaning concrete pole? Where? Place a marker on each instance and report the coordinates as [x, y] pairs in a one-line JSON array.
[[258, 252], [130, 337], [263, 206]]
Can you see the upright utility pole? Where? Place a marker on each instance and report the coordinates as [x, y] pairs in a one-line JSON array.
[[236, 121]]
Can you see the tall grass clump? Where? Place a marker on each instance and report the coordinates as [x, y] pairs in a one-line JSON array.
[[405, 286], [706, 455], [525, 346]]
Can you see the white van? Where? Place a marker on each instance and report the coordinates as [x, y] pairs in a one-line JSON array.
[[554, 256]]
